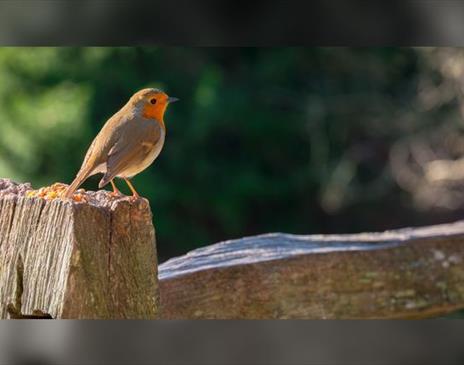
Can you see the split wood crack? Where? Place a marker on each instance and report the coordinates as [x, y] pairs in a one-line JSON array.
[[14, 310]]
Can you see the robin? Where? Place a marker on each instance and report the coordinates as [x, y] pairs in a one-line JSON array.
[[128, 142]]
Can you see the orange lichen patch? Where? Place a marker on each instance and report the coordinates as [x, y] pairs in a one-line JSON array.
[[55, 191]]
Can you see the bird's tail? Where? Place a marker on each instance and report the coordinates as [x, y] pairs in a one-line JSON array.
[[105, 179], [81, 176]]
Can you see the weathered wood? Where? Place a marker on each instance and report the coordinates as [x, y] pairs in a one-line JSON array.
[[408, 273], [67, 259]]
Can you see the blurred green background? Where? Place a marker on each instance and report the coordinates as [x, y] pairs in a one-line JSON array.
[[299, 140]]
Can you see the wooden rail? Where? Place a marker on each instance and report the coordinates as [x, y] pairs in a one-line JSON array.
[[407, 273]]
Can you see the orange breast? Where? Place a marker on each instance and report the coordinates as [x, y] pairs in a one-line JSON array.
[[155, 111]]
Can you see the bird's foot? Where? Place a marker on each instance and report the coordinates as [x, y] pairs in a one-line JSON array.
[[134, 198], [116, 194]]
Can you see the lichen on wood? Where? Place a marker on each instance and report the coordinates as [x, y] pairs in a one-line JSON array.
[[408, 273]]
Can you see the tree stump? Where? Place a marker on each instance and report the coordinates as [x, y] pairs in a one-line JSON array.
[[67, 259], [408, 273]]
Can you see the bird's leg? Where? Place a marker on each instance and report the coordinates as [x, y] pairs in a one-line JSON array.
[[116, 191], [135, 195]]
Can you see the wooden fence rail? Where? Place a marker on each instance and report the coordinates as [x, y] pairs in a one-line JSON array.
[[407, 273], [97, 259]]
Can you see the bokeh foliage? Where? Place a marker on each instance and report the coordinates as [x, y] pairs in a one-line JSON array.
[[297, 140]]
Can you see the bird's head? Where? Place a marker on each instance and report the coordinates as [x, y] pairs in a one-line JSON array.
[[152, 103]]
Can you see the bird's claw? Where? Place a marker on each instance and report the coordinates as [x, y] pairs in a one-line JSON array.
[[134, 198]]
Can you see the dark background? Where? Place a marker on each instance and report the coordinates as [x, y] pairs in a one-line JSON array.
[[299, 140]]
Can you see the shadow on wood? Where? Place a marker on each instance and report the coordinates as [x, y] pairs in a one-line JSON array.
[[408, 273], [64, 259]]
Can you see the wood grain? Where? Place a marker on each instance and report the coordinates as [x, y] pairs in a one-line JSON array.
[[408, 273], [64, 259]]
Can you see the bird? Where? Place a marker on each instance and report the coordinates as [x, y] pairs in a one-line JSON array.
[[128, 142]]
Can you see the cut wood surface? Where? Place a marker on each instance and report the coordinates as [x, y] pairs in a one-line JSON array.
[[67, 259], [407, 273]]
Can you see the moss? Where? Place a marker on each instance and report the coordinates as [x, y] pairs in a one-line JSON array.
[[417, 303], [405, 293]]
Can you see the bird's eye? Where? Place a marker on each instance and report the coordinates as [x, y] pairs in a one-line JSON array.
[[153, 101]]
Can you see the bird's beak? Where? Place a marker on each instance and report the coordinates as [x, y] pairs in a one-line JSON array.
[[172, 99]]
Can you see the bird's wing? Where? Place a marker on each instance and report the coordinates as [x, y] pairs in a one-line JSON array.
[[130, 148], [88, 155], [104, 141], [96, 156]]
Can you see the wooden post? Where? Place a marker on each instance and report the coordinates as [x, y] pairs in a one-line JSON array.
[[67, 259], [409, 273]]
